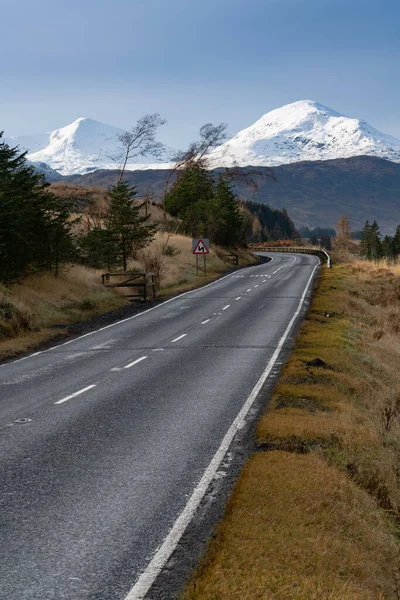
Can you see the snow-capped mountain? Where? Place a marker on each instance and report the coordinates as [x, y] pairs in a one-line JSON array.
[[304, 130], [83, 146]]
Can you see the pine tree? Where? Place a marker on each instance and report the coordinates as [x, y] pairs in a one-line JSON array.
[[375, 242], [326, 242], [225, 219], [98, 248], [34, 225], [387, 247], [132, 231], [396, 242], [314, 240], [365, 244]]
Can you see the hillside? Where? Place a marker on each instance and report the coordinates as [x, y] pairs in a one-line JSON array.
[[314, 193], [304, 130]]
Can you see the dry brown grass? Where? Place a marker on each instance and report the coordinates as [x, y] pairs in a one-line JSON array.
[[339, 417], [31, 308], [297, 529]]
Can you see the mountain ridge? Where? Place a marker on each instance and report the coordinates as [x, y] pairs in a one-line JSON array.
[[315, 193], [302, 130]]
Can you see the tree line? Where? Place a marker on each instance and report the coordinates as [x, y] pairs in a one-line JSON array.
[[40, 230], [374, 247]]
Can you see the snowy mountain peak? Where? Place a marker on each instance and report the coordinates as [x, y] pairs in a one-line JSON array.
[[80, 147], [304, 130]]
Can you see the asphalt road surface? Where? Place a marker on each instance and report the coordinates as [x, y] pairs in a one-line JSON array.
[[104, 439]]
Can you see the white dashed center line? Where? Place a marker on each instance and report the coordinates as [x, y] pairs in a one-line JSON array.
[[82, 391], [256, 286], [135, 362], [179, 338], [225, 307], [238, 298], [248, 290], [204, 322]]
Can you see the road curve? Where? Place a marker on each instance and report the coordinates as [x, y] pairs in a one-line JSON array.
[[103, 439]]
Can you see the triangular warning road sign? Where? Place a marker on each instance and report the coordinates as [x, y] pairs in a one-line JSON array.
[[201, 248]]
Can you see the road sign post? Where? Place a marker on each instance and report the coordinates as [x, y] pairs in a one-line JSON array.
[[201, 246]]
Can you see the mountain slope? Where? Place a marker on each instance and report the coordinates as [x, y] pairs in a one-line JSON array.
[[83, 146], [304, 130], [314, 193]]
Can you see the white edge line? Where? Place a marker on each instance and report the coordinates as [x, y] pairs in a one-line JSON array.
[[117, 322], [153, 569], [89, 387], [179, 338], [135, 362]]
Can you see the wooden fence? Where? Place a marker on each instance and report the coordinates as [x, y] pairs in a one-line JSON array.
[[145, 284]]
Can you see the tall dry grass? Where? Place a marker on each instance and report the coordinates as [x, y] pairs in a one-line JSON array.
[[290, 531]]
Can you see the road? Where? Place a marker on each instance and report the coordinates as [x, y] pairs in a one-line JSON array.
[[103, 439]]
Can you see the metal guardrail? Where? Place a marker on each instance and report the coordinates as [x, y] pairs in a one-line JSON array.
[[301, 249], [144, 283]]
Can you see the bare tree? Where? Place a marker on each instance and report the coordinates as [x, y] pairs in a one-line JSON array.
[[210, 136], [141, 141]]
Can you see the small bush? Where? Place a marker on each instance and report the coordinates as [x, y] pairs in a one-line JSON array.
[[171, 251]]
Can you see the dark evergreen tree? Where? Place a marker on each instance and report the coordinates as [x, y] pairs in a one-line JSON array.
[[131, 231], [387, 247], [225, 220], [34, 224], [314, 240], [99, 248], [375, 242], [396, 243], [365, 244], [326, 242]]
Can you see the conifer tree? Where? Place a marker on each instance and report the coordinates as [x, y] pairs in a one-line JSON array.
[[365, 244], [387, 247], [396, 243], [34, 224], [132, 232], [375, 242]]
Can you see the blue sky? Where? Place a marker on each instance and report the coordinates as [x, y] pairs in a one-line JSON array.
[[195, 61]]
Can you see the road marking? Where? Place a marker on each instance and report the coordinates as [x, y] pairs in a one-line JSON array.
[[238, 298], [82, 391], [117, 322], [204, 322], [256, 286], [116, 369], [179, 338], [249, 290], [135, 362], [162, 555], [225, 307]]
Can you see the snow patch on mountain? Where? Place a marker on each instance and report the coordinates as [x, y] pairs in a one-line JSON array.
[[81, 147], [304, 130]]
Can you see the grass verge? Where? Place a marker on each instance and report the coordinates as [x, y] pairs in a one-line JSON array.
[[32, 309], [315, 512]]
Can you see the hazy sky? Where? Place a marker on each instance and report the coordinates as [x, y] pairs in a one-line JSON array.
[[195, 61]]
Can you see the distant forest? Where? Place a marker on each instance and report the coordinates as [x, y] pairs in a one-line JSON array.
[[266, 223]]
